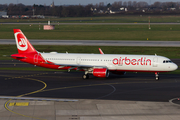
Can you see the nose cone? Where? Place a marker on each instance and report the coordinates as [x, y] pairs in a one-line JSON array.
[[173, 67]]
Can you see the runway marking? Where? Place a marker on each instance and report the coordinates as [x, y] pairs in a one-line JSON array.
[[146, 82], [45, 85], [37, 99], [25, 76], [4, 76], [88, 86], [7, 102], [19, 104], [109, 93], [171, 101]]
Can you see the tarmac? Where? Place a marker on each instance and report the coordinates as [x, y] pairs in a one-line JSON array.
[[87, 109], [48, 95]]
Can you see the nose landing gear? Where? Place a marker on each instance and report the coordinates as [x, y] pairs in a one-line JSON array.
[[157, 76]]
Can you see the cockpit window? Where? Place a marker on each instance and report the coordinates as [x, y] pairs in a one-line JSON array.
[[167, 61]]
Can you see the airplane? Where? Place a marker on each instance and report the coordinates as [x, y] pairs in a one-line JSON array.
[[98, 65]]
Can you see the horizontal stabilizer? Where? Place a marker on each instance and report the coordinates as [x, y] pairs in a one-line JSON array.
[[18, 57]]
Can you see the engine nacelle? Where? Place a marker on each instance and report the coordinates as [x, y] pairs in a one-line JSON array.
[[101, 72]]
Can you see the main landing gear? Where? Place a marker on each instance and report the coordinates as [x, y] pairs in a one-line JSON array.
[[85, 76], [157, 76]]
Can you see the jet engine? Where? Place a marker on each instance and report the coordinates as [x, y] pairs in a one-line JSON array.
[[100, 72]]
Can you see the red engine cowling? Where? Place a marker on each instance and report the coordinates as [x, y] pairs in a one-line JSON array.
[[100, 72]]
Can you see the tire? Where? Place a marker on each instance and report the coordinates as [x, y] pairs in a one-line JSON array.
[[85, 76], [157, 78]]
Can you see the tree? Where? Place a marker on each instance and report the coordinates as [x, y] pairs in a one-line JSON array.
[[157, 4], [125, 4], [108, 5], [129, 3]]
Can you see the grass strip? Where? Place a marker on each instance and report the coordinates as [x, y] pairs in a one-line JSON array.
[[96, 32], [103, 19]]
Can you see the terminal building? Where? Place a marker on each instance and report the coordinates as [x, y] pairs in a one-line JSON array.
[[3, 14]]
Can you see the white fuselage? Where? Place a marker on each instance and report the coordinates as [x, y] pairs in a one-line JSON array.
[[120, 62]]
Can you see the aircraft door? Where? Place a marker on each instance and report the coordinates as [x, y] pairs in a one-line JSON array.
[[78, 60], [36, 58], [155, 62]]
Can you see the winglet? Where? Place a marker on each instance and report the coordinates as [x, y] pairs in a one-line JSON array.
[[101, 51]]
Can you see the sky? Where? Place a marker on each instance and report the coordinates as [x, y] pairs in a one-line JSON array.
[[73, 2]]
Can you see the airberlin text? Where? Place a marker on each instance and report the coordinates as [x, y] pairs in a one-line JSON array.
[[128, 61]]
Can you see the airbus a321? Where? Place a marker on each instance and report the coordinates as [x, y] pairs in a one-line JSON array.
[[98, 65]]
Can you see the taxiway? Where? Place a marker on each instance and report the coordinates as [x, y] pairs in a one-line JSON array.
[[57, 95], [97, 42]]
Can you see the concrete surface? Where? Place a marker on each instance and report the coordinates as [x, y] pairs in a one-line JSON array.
[[88, 109]]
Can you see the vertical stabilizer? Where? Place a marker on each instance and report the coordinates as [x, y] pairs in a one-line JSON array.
[[23, 45]]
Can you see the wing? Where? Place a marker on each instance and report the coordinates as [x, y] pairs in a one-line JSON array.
[[79, 66]]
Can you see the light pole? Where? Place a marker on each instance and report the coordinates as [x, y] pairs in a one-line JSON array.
[[149, 23]]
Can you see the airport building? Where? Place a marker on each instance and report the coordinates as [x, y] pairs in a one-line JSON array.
[[3, 14]]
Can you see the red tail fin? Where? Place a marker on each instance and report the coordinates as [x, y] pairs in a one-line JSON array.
[[23, 45]]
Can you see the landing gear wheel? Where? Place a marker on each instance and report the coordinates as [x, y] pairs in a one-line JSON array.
[[157, 78], [85, 76]]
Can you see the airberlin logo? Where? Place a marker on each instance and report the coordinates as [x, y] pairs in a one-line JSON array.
[[128, 61], [21, 41]]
